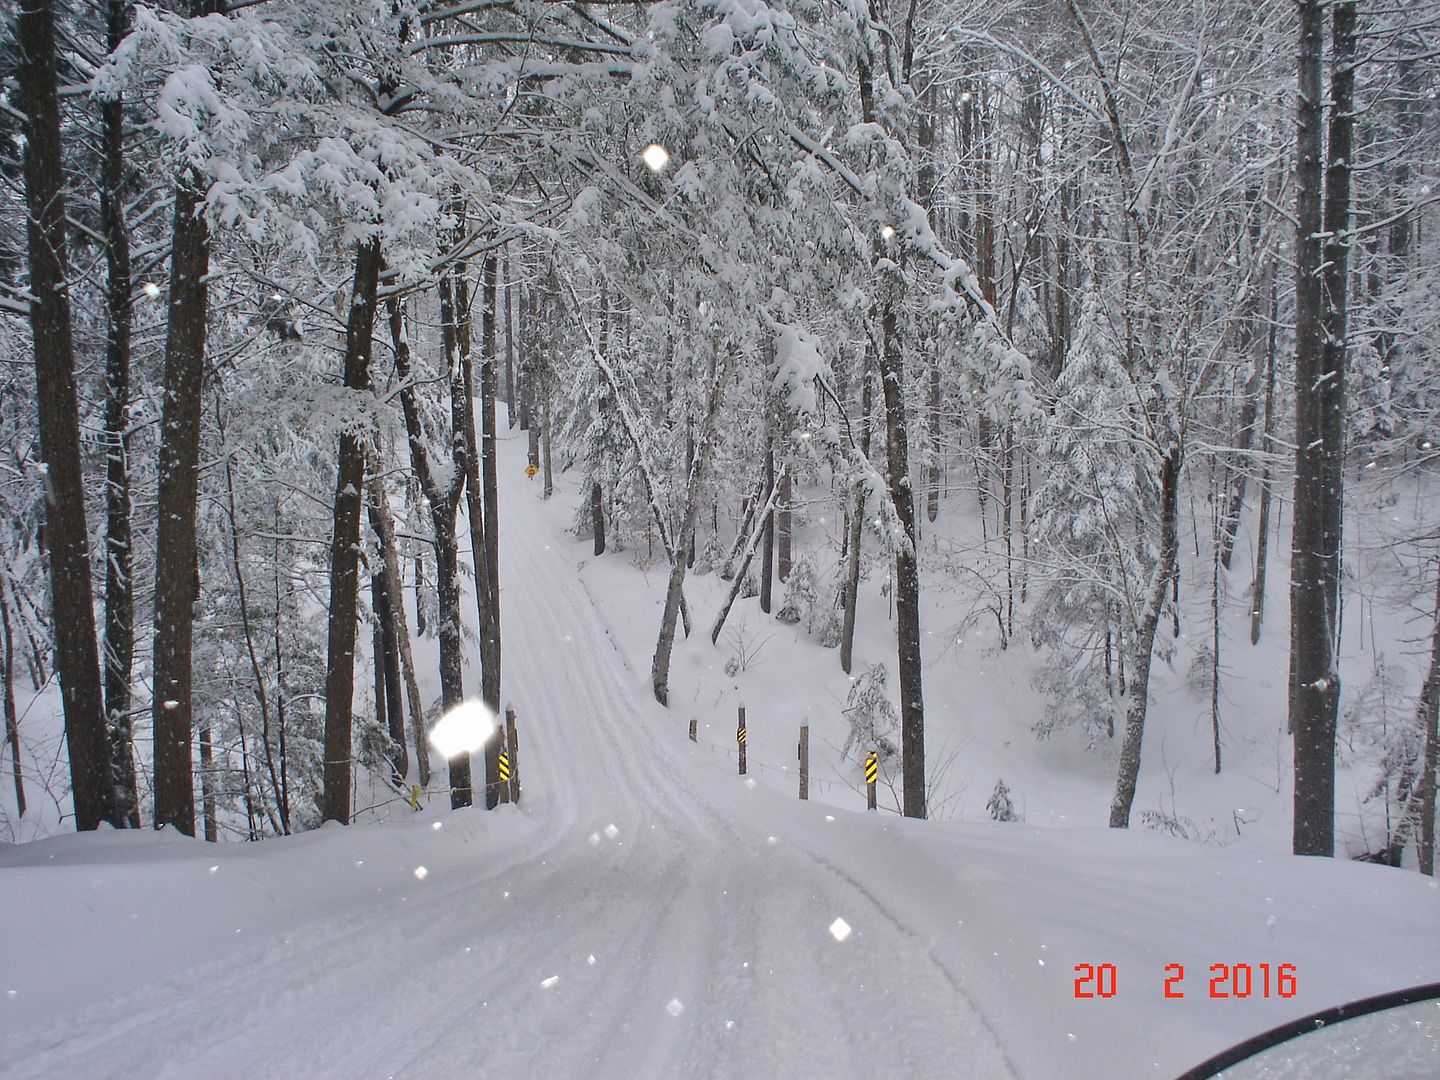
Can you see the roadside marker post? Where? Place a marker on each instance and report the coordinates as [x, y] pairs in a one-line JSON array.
[[513, 745], [872, 771], [740, 738], [803, 751]]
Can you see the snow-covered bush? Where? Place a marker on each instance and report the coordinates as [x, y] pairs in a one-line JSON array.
[[802, 592], [873, 716], [1000, 807]]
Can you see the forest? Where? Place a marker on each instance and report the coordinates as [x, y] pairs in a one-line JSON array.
[[1095, 312]]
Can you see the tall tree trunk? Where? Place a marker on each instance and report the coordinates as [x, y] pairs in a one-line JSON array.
[[856, 523], [345, 544], [907, 568], [119, 650], [767, 552], [385, 529], [1267, 442], [389, 704], [699, 466], [1144, 643], [1429, 710], [77, 659], [1319, 426], [783, 528], [262, 699], [176, 573], [482, 506], [509, 293], [452, 679]]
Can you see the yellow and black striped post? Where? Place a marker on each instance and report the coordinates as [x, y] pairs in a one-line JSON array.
[[740, 738], [504, 762], [872, 771]]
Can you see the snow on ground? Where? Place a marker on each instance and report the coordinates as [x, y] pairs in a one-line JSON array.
[[648, 913]]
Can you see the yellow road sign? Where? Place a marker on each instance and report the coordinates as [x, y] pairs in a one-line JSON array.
[[872, 767]]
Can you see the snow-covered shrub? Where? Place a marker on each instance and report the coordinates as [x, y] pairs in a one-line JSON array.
[[1000, 807], [873, 716], [801, 593]]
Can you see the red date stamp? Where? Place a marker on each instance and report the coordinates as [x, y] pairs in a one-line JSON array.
[[1231, 981]]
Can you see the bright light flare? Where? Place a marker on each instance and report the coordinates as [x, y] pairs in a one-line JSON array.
[[887, 232], [463, 729], [656, 157], [151, 290]]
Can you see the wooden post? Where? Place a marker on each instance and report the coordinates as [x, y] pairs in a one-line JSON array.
[[872, 770], [693, 722], [804, 752], [513, 743], [740, 738]]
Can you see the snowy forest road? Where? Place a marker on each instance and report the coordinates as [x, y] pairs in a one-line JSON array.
[[646, 914], [637, 919]]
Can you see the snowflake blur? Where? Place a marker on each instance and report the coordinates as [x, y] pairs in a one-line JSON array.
[[463, 729], [656, 157]]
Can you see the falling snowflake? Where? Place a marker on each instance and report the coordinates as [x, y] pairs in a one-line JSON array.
[[840, 929], [421, 873], [674, 1008], [611, 831], [656, 157], [546, 984]]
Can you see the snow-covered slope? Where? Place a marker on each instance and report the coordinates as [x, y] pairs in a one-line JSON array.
[[647, 913]]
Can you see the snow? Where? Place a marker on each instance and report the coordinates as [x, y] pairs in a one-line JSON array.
[[515, 943]]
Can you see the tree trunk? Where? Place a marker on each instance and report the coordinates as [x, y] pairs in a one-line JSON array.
[[119, 650], [783, 528], [1319, 426], [699, 466], [856, 523], [77, 660], [207, 785], [481, 500], [385, 530], [345, 544], [907, 568], [12, 720], [389, 704], [1262, 541], [767, 553], [746, 557], [1429, 710], [509, 293], [1144, 643], [490, 486], [597, 516], [452, 680], [256, 669]]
